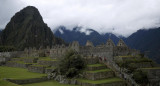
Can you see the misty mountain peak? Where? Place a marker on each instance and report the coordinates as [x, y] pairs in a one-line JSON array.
[[27, 29]]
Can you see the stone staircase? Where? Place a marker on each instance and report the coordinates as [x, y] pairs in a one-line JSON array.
[[100, 75]]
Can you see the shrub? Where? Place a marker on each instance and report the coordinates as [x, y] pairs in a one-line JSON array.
[[7, 48], [71, 64], [140, 77]]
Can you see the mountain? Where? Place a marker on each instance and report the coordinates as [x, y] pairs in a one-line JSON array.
[[80, 35], [146, 40], [27, 29], [0, 31]]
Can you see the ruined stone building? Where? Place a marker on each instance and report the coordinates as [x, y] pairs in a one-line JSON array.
[[108, 50]]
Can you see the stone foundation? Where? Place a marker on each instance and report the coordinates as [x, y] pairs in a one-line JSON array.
[[49, 63], [16, 64], [49, 70], [96, 68], [37, 68], [30, 60], [27, 81], [103, 84], [99, 75], [92, 60]]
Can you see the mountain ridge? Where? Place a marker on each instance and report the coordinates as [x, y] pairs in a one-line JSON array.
[[143, 40], [76, 34]]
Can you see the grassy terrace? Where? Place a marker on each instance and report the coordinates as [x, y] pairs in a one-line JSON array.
[[16, 73], [125, 56], [48, 83], [21, 62], [6, 83], [20, 73], [95, 65], [109, 80], [47, 59], [97, 71], [37, 65], [152, 68]]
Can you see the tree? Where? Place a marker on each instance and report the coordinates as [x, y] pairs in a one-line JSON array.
[[71, 64], [140, 77]]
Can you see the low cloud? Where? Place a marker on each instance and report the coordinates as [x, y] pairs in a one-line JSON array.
[[122, 17]]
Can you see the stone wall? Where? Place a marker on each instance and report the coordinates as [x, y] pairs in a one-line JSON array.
[[27, 81], [96, 68], [6, 56], [30, 60], [37, 68], [104, 84], [99, 75], [16, 64], [49, 63], [153, 75], [91, 60]]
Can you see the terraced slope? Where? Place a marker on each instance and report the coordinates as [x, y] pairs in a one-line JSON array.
[[100, 75]]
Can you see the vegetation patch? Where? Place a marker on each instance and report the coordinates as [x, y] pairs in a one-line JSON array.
[[50, 67], [71, 65], [20, 62], [7, 48], [130, 62], [47, 59], [17, 73], [36, 65], [152, 68], [109, 80], [95, 65], [140, 77], [48, 83], [6, 83], [125, 56], [97, 71]]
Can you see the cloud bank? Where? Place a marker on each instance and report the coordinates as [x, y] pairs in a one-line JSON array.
[[122, 17]]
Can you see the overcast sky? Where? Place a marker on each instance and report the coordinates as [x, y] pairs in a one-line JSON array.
[[122, 17]]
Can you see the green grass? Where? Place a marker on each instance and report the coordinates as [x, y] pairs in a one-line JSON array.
[[37, 65], [21, 62], [6, 83], [47, 59], [109, 80], [28, 57], [125, 56], [48, 83], [50, 67], [95, 65], [17, 73], [151, 68], [97, 71]]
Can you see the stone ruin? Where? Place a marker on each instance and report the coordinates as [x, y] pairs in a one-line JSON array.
[[108, 50]]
